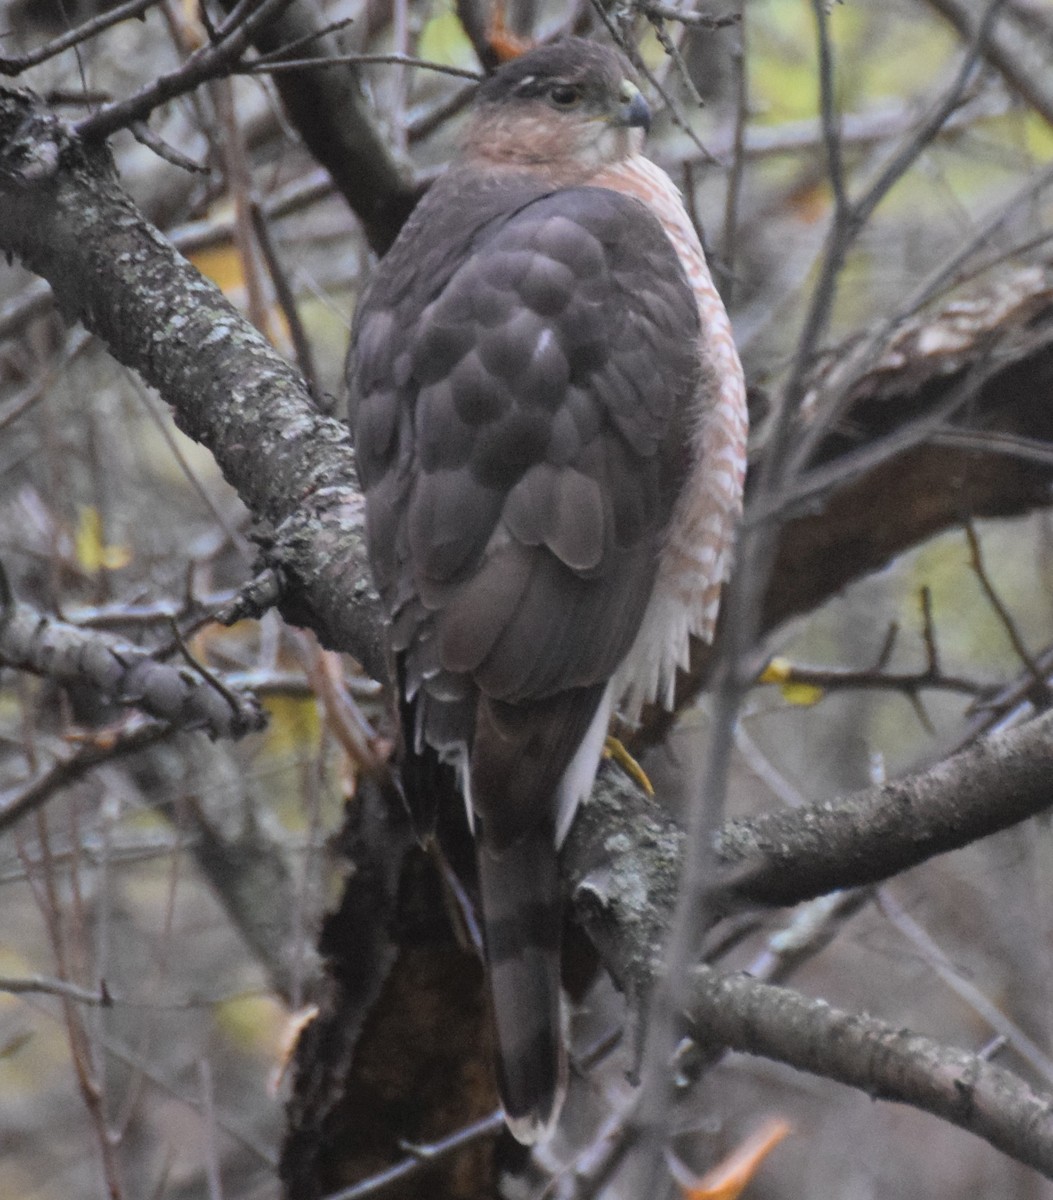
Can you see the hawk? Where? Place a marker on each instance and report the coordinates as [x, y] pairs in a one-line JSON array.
[[549, 420]]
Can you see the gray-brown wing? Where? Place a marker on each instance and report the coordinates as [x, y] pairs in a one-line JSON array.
[[521, 367]]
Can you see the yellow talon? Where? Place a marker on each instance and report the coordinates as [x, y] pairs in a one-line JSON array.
[[612, 748]]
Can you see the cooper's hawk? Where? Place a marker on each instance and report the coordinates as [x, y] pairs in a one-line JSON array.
[[550, 425]]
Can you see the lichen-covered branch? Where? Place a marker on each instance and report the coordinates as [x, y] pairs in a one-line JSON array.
[[64, 214], [622, 857], [886, 1062], [123, 673]]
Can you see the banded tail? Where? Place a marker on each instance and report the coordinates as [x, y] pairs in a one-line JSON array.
[[522, 923]]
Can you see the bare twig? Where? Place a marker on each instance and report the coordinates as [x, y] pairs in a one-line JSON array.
[[736, 173], [37, 985], [271, 67], [146, 136], [693, 20], [82, 1052], [1010, 50], [1013, 702], [16, 804], [421, 1158], [74, 37], [210, 62], [238, 178], [910, 683], [1004, 615], [286, 299], [829, 117]]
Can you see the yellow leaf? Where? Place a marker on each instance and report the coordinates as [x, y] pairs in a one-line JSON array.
[[443, 39], [93, 553], [802, 694], [780, 671]]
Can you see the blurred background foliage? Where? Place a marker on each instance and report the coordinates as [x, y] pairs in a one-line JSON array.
[[124, 888]]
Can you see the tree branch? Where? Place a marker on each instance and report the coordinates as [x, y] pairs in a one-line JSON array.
[[329, 111], [121, 672], [65, 215], [622, 856], [885, 1061]]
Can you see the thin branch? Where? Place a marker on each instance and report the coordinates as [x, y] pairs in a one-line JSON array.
[[270, 67], [74, 37], [1004, 615], [421, 1158], [237, 175], [146, 137], [991, 441], [828, 115], [37, 985], [736, 173], [838, 679], [16, 804], [693, 20], [1011, 703], [286, 299], [1011, 51], [210, 62]]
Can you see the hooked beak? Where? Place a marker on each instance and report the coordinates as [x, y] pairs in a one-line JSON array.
[[634, 112]]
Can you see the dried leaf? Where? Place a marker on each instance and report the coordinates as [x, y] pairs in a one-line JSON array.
[[728, 1179]]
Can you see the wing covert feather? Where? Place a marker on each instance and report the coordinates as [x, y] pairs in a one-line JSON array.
[[511, 382]]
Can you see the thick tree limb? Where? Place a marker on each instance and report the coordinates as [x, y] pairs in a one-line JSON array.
[[886, 1062], [65, 215], [622, 857]]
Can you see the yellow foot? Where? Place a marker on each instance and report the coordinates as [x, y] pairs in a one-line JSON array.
[[728, 1179], [612, 748]]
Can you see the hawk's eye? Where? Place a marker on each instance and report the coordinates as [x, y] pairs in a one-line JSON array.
[[565, 95]]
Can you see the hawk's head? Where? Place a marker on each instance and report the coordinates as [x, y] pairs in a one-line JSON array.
[[571, 108]]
